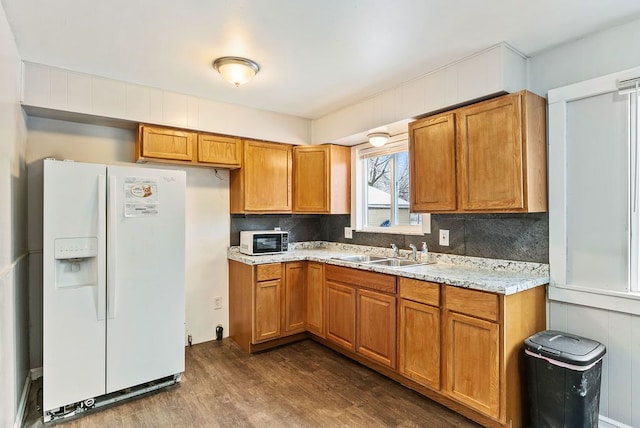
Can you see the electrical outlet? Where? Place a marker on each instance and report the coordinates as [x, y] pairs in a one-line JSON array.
[[348, 233], [444, 237], [217, 302]]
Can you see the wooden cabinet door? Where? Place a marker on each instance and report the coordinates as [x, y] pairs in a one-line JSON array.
[[432, 153], [218, 150], [471, 350], [419, 350], [322, 179], [315, 298], [311, 179], [294, 297], [490, 155], [267, 177], [376, 320], [166, 143], [267, 319], [341, 315]]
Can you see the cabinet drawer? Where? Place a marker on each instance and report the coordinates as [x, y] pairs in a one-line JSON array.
[[420, 291], [268, 271], [472, 302], [362, 278]]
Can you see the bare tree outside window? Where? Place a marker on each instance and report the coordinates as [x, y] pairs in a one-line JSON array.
[[387, 205], [378, 169]]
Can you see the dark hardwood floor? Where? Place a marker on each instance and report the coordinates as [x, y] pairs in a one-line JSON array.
[[298, 385]]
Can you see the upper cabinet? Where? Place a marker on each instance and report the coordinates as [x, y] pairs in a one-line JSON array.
[[432, 150], [263, 184], [165, 143], [486, 157], [502, 154], [280, 178], [322, 180], [219, 150], [173, 145]]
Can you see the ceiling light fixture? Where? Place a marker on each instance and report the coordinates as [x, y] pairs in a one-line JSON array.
[[236, 70], [378, 139]]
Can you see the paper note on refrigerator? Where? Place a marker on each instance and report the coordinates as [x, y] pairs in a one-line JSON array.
[[140, 197]]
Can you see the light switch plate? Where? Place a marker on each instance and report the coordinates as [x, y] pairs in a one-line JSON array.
[[444, 237], [348, 233]]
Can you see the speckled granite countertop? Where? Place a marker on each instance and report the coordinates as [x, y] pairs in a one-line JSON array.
[[496, 276]]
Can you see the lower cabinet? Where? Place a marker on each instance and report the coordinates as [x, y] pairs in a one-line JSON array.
[[376, 321], [460, 347], [361, 313], [341, 315], [419, 331], [481, 346], [268, 310], [471, 348], [266, 302], [472, 353], [294, 297], [315, 298]]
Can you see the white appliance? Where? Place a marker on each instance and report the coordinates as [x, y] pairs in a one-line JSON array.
[[256, 242], [113, 278]]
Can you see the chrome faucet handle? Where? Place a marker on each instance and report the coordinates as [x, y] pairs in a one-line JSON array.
[[396, 250], [414, 252]]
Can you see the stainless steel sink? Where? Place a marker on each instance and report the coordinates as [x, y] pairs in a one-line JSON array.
[[360, 258], [395, 262]]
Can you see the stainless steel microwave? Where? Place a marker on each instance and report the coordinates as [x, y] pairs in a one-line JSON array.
[[256, 242]]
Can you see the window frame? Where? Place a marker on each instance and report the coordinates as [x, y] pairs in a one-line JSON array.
[[396, 144], [559, 289]]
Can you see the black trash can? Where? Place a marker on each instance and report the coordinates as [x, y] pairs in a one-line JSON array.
[[563, 380]]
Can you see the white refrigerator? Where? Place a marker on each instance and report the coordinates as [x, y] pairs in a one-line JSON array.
[[113, 281]]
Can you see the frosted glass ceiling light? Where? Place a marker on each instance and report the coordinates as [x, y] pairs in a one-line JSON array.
[[236, 70], [378, 139]]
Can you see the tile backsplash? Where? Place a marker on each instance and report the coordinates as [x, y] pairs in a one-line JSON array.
[[523, 237]]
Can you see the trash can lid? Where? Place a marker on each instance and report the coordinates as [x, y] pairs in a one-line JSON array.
[[565, 347]]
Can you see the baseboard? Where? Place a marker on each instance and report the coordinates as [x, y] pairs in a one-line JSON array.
[[24, 399], [605, 422]]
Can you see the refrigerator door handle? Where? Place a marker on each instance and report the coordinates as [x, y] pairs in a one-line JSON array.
[[111, 249], [102, 212]]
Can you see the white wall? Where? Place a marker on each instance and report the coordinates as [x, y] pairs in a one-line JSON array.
[[14, 359], [598, 54], [601, 53], [496, 69], [76, 94], [207, 219]]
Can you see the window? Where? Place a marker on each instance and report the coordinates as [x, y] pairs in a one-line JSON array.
[[634, 180], [594, 210], [382, 195]]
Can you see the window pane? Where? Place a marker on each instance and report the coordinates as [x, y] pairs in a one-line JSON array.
[[597, 186], [388, 191], [378, 191], [401, 179]]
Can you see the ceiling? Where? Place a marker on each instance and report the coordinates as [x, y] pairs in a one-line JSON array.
[[315, 56]]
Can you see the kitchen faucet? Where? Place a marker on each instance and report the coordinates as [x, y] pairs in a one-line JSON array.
[[414, 252], [396, 250]]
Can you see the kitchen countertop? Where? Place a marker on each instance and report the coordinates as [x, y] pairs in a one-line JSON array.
[[492, 275]]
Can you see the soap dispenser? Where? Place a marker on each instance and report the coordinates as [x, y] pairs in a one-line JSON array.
[[424, 253]]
